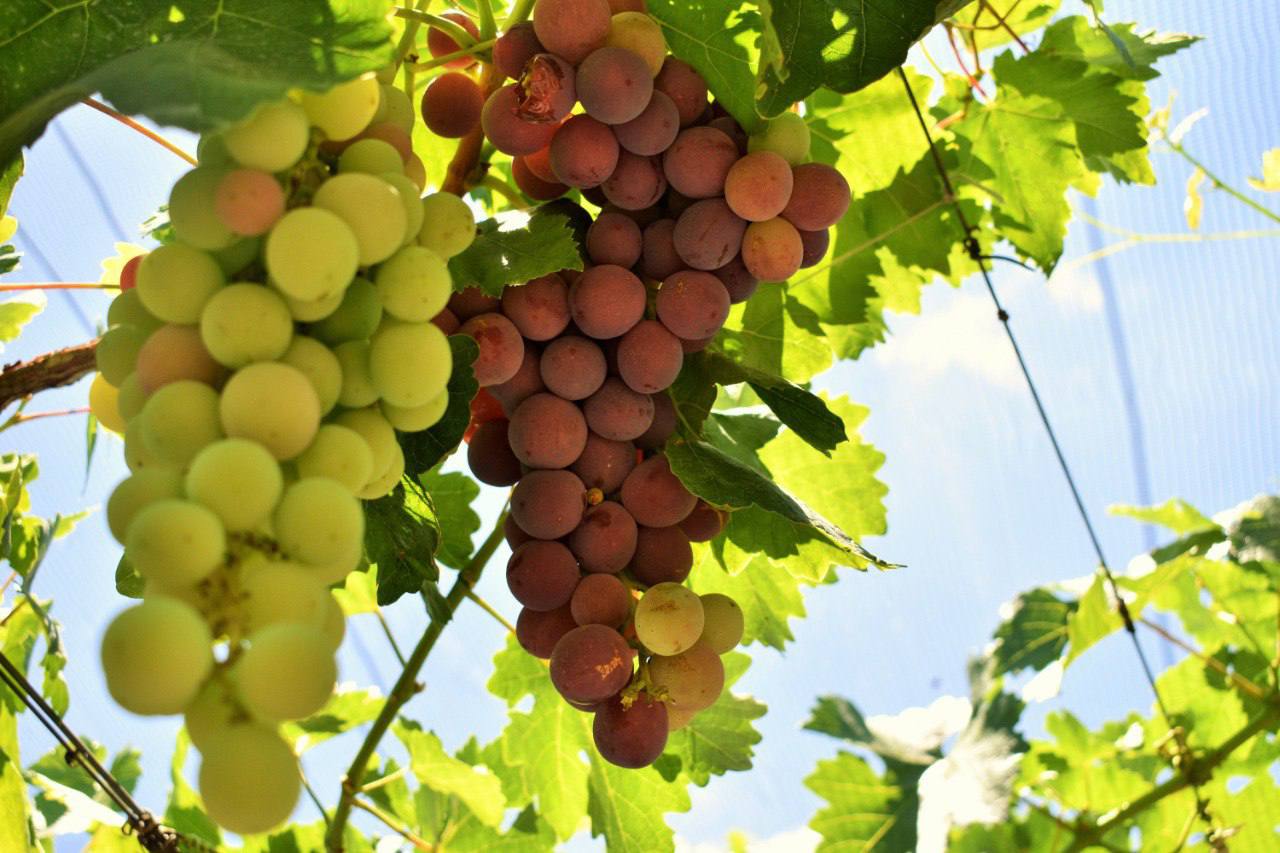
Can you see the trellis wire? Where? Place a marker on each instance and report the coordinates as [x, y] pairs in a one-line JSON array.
[[974, 250]]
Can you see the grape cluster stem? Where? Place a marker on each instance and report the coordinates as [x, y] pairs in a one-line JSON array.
[[51, 370]]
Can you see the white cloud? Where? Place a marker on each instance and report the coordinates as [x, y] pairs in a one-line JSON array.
[[801, 839]]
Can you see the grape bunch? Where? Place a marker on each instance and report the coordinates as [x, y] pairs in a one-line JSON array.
[[575, 367], [258, 367]]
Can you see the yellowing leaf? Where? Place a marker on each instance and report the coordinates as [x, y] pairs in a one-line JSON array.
[[1270, 180], [1193, 205]]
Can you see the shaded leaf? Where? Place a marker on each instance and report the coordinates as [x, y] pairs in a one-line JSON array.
[[864, 810], [1034, 634], [346, 709], [401, 537], [717, 37], [514, 249], [719, 739], [425, 450], [800, 409], [451, 496]]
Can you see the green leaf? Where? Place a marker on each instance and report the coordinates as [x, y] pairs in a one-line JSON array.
[[1255, 530], [1175, 514], [719, 739], [844, 45], [129, 583], [401, 537], [1269, 182], [1080, 769], [514, 249], [441, 772], [425, 450], [16, 313], [1252, 811], [198, 68], [863, 810], [718, 38], [451, 496], [1021, 18], [13, 788], [358, 593], [776, 334], [346, 709], [185, 812], [694, 392], [1077, 38], [8, 180], [768, 594], [1035, 633], [1093, 619], [627, 807], [802, 410], [741, 436]]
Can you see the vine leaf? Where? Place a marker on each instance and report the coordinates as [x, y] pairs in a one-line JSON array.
[[1035, 633], [1175, 514], [347, 709], [401, 537], [768, 595], [627, 807], [451, 496], [185, 811], [425, 450], [802, 410], [199, 67], [433, 767], [719, 739], [865, 810], [514, 249]]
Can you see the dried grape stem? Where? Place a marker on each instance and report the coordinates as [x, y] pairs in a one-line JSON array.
[[51, 370]]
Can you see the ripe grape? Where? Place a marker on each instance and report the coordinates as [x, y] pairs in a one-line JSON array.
[[340, 454], [607, 301], [601, 600], [539, 631], [669, 619], [513, 534], [758, 186], [653, 131], [249, 201], [649, 357], [605, 540], [584, 152], [617, 6], [371, 208], [244, 323], [571, 28], [287, 673], [654, 496], [117, 353], [640, 34], [704, 523], [448, 225], [547, 89], [155, 655], [485, 407], [273, 404], [526, 382], [682, 84], [357, 389], [173, 353], [616, 412], [659, 258], [490, 457], [539, 309], [370, 156], [693, 305], [471, 301], [320, 366], [319, 522], [533, 186], [178, 420], [514, 48], [356, 317], [737, 280], [724, 622], [730, 128], [409, 363], [614, 84], [249, 779], [604, 463], [506, 129], [786, 135], [678, 718], [573, 368], [192, 212], [815, 244], [275, 593], [175, 543], [548, 504], [631, 736], [312, 310], [590, 664], [446, 321], [636, 183], [542, 575], [441, 43], [398, 138], [213, 710], [272, 139], [708, 234], [693, 679], [129, 274], [663, 555], [311, 254], [699, 161], [547, 431], [539, 164], [614, 238], [137, 492], [346, 109], [175, 281], [376, 432], [819, 198], [501, 348], [237, 479], [417, 418], [772, 250]]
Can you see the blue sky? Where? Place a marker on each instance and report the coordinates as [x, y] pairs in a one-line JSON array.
[[977, 507]]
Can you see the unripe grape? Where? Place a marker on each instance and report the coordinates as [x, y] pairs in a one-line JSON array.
[[244, 323], [193, 212], [319, 522], [273, 404], [417, 418], [320, 366], [272, 139], [238, 480], [371, 208], [311, 254], [355, 319], [275, 593], [371, 156], [137, 492], [724, 622], [669, 619], [104, 404], [155, 655], [786, 135], [448, 225], [175, 543], [341, 454], [180, 419], [287, 673], [414, 284], [692, 679], [409, 363], [346, 109], [175, 282], [249, 779]]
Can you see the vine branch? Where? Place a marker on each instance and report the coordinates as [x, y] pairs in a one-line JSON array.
[[51, 370]]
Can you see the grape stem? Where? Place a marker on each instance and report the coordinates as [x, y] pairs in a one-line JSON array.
[[519, 13], [463, 168], [391, 638], [145, 131], [406, 686], [491, 610], [475, 49], [21, 417], [408, 38], [452, 30], [488, 26], [57, 285], [394, 825], [51, 370]]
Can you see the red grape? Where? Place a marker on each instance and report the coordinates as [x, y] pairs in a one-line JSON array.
[[654, 496], [441, 43], [758, 186], [663, 555], [573, 367], [514, 48], [601, 600], [504, 127], [548, 89], [471, 301], [729, 126], [738, 280], [584, 152], [572, 28], [548, 504], [614, 85], [515, 537], [489, 455], [633, 736], [614, 238], [658, 257], [501, 348], [616, 6], [649, 357], [636, 183], [452, 104], [532, 185], [708, 234], [590, 663], [816, 244], [664, 423], [679, 81], [526, 382], [653, 131], [547, 432], [704, 523], [605, 463], [618, 413], [607, 301], [129, 272], [542, 575], [697, 164], [693, 305], [605, 540], [772, 250], [539, 309], [819, 197], [446, 321], [539, 631]]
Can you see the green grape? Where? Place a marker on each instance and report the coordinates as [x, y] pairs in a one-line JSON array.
[[724, 622], [385, 483], [287, 673], [244, 323], [786, 135], [131, 397], [117, 352], [320, 522], [211, 150], [127, 310], [376, 432], [273, 404], [238, 255], [414, 284], [237, 479], [448, 225], [175, 543], [371, 156], [175, 352], [358, 389], [175, 281], [372, 209], [411, 198], [272, 139], [321, 367], [311, 254], [409, 363], [678, 718], [669, 619], [155, 655], [137, 492], [398, 108], [249, 779], [335, 622], [341, 454], [136, 454], [693, 679], [104, 403], [212, 711], [356, 319], [180, 419], [192, 212], [346, 109], [417, 418], [311, 311], [275, 593]]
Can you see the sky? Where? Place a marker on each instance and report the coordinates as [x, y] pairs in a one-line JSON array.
[[978, 510]]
